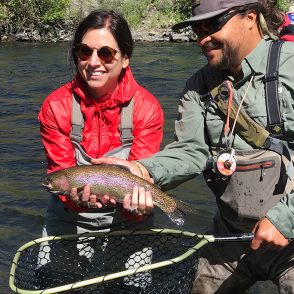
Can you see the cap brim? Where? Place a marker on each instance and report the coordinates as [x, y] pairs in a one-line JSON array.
[[188, 22]]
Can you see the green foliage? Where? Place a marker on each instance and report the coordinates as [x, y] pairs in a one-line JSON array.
[[36, 13], [19, 11], [51, 11], [32, 12], [133, 11], [150, 13], [3, 13], [283, 5]]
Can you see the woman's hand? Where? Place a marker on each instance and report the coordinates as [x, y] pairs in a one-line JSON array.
[[139, 203], [266, 233], [90, 200], [135, 167]]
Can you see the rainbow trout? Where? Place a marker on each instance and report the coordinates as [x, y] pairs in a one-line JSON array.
[[115, 181]]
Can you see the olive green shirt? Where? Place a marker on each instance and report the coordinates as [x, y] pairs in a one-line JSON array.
[[186, 157]]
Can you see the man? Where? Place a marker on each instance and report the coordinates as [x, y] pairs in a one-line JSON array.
[[252, 180]]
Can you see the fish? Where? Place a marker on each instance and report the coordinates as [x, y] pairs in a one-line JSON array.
[[116, 181]]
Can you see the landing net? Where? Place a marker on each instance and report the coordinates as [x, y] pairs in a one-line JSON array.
[[150, 261]]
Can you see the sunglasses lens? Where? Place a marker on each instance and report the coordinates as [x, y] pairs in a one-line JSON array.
[[106, 54], [84, 52], [213, 25]]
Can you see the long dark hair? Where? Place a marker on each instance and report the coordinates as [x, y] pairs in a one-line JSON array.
[[110, 19]]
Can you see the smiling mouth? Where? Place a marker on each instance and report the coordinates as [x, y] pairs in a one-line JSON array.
[[95, 73], [210, 46]]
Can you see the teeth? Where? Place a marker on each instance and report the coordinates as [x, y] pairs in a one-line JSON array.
[[96, 73]]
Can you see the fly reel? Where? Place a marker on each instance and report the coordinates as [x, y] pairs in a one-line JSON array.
[[223, 164]]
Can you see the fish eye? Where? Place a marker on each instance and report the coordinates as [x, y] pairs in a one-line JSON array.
[[47, 181]]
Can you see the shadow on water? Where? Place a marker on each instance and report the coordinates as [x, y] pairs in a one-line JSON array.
[[29, 72]]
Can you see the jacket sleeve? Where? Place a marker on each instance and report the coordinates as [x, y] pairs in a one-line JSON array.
[[55, 138], [282, 215], [147, 126], [186, 157]]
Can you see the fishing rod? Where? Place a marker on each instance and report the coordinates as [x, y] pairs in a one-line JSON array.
[[124, 259]]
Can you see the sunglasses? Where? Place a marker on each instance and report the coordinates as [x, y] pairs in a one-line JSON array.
[[212, 25], [106, 54]]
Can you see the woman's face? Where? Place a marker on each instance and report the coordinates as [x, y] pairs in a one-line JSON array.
[[101, 77]]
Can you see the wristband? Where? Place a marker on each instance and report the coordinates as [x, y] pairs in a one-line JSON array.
[[138, 165]]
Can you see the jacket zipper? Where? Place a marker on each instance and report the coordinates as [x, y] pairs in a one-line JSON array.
[[255, 166]]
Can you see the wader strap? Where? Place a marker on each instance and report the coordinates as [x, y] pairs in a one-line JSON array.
[[275, 124], [77, 119], [126, 124]]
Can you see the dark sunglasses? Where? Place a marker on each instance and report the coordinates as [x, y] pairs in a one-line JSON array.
[[212, 25], [105, 53]]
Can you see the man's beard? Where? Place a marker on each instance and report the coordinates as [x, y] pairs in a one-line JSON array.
[[228, 60]]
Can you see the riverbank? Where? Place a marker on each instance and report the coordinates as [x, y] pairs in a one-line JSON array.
[[38, 22], [62, 34]]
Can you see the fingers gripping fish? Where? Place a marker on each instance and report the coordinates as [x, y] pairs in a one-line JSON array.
[[115, 181]]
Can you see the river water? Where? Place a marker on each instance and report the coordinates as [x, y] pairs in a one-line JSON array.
[[29, 72]]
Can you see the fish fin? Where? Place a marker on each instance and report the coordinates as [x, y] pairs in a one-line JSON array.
[[178, 215]]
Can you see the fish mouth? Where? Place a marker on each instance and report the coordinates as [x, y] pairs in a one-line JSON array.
[[47, 184], [48, 187]]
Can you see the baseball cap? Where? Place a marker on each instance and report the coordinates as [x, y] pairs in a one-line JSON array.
[[203, 9]]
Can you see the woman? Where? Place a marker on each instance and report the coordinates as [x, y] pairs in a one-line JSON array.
[[101, 91]]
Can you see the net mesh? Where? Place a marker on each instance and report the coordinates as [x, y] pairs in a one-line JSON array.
[[60, 262]]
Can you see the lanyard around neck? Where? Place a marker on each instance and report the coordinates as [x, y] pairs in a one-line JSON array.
[[227, 132]]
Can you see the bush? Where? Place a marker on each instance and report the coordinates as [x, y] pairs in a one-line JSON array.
[[27, 13], [151, 13], [51, 11], [283, 5]]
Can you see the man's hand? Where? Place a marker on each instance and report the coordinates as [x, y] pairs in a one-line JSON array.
[[266, 233], [135, 168]]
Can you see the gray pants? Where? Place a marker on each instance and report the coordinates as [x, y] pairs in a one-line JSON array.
[[232, 267]]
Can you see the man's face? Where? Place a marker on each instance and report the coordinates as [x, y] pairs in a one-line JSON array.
[[223, 40]]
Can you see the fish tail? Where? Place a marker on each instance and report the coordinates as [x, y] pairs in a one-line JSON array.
[[178, 214]]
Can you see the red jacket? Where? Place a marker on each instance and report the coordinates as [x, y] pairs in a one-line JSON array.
[[102, 120], [287, 34]]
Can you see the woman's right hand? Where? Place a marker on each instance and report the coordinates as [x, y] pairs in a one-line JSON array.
[[86, 199]]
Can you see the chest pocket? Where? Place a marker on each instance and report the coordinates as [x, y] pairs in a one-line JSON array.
[[258, 184]]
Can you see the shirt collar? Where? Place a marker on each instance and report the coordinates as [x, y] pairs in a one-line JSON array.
[[253, 62]]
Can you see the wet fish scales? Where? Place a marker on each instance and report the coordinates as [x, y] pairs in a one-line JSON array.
[[115, 181]]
